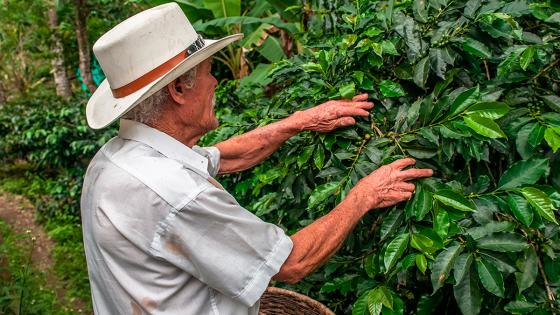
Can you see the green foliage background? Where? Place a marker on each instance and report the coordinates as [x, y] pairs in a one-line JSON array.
[[468, 88]]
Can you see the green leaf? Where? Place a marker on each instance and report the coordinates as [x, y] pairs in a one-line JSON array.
[[463, 101], [360, 307], [319, 157], [491, 279], [523, 173], [484, 126], [441, 223], [375, 308], [394, 251], [491, 110], [501, 261], [541, 202], [528, 269], [554, 18], [527, 57], [391, 223], [552, 137], [421, 72], [381, 295], [462, 266], [347, 91], [503, 242], [223, 8], [509, 63], [520, 307], [420, 11], [479, 232], [408, 29], [271, 49], [477, 48], [398, 306], [524, 148], [389, 48], [422, 202], [422, 243], [454, 200], [391, 89], [467, 294], [439, 62], [421, 263], [520, 209], [305, 155], [553, 101], [536, 136], [443, 264], [471, 7], [321, 193], [244, 20]]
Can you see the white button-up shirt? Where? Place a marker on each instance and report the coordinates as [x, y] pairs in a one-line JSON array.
[[162, 236]]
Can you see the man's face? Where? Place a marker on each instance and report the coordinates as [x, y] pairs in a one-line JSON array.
[[204, 87]]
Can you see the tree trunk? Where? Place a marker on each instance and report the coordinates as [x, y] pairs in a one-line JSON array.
[[3, 97], [83, 45], [60, 78]]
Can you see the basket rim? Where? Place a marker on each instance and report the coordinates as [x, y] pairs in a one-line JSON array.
[[303, 297]]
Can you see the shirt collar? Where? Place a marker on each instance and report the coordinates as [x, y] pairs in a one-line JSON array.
[[163, 143]]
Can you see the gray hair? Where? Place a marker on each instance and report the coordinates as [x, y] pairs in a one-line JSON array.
[[149, 110]]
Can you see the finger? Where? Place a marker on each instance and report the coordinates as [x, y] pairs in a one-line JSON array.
[[402, 163], [345, 121], [405, 187], [358, 104], [351, 111], [414, 173], [359, 98], [364, 105], [398, 197]]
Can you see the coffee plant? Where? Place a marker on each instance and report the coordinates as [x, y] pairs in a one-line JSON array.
[[469, 89]]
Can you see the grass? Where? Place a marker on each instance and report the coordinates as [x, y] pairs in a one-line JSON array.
[[22, 287], [68, 252]]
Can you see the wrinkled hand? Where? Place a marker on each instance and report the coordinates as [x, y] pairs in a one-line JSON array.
[[334, 114], [388, 185]]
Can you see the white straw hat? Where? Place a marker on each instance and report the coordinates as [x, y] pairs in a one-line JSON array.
[[142, 55]]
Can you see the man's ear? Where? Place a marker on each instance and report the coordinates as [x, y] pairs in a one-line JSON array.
[[177, 91]]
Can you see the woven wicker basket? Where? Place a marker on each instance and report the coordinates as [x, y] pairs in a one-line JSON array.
[[276, 301]]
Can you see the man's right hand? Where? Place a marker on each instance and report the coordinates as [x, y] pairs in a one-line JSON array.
[[388, 185]]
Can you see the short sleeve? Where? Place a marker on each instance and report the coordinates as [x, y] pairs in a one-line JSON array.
[[224, 245], [213, 156]]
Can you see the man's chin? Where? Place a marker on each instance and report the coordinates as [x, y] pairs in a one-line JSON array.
[[213, 126]]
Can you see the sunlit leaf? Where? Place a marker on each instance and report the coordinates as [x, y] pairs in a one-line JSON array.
[[455, 200], [541, 202]]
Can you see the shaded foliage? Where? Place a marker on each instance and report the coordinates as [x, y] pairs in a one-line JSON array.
[[467, 88]]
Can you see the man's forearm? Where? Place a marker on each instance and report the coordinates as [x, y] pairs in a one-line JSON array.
[[316, 243], [244, 151]]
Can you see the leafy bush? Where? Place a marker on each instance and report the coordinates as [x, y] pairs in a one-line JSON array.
[[470, 89], [45, 146]]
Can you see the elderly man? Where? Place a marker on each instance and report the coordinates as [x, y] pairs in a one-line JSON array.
[[161, 235]]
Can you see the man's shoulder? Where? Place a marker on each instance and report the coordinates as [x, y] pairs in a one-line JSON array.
[[125, 164]]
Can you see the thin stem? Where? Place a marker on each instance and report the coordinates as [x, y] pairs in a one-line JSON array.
[[487, 70], [549, 294], [546, 69], [399, 145], [490, 173]]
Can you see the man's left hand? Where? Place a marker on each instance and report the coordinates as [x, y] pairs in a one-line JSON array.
[[334, 114]]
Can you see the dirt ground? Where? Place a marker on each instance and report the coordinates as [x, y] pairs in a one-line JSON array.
[[20, 215]]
